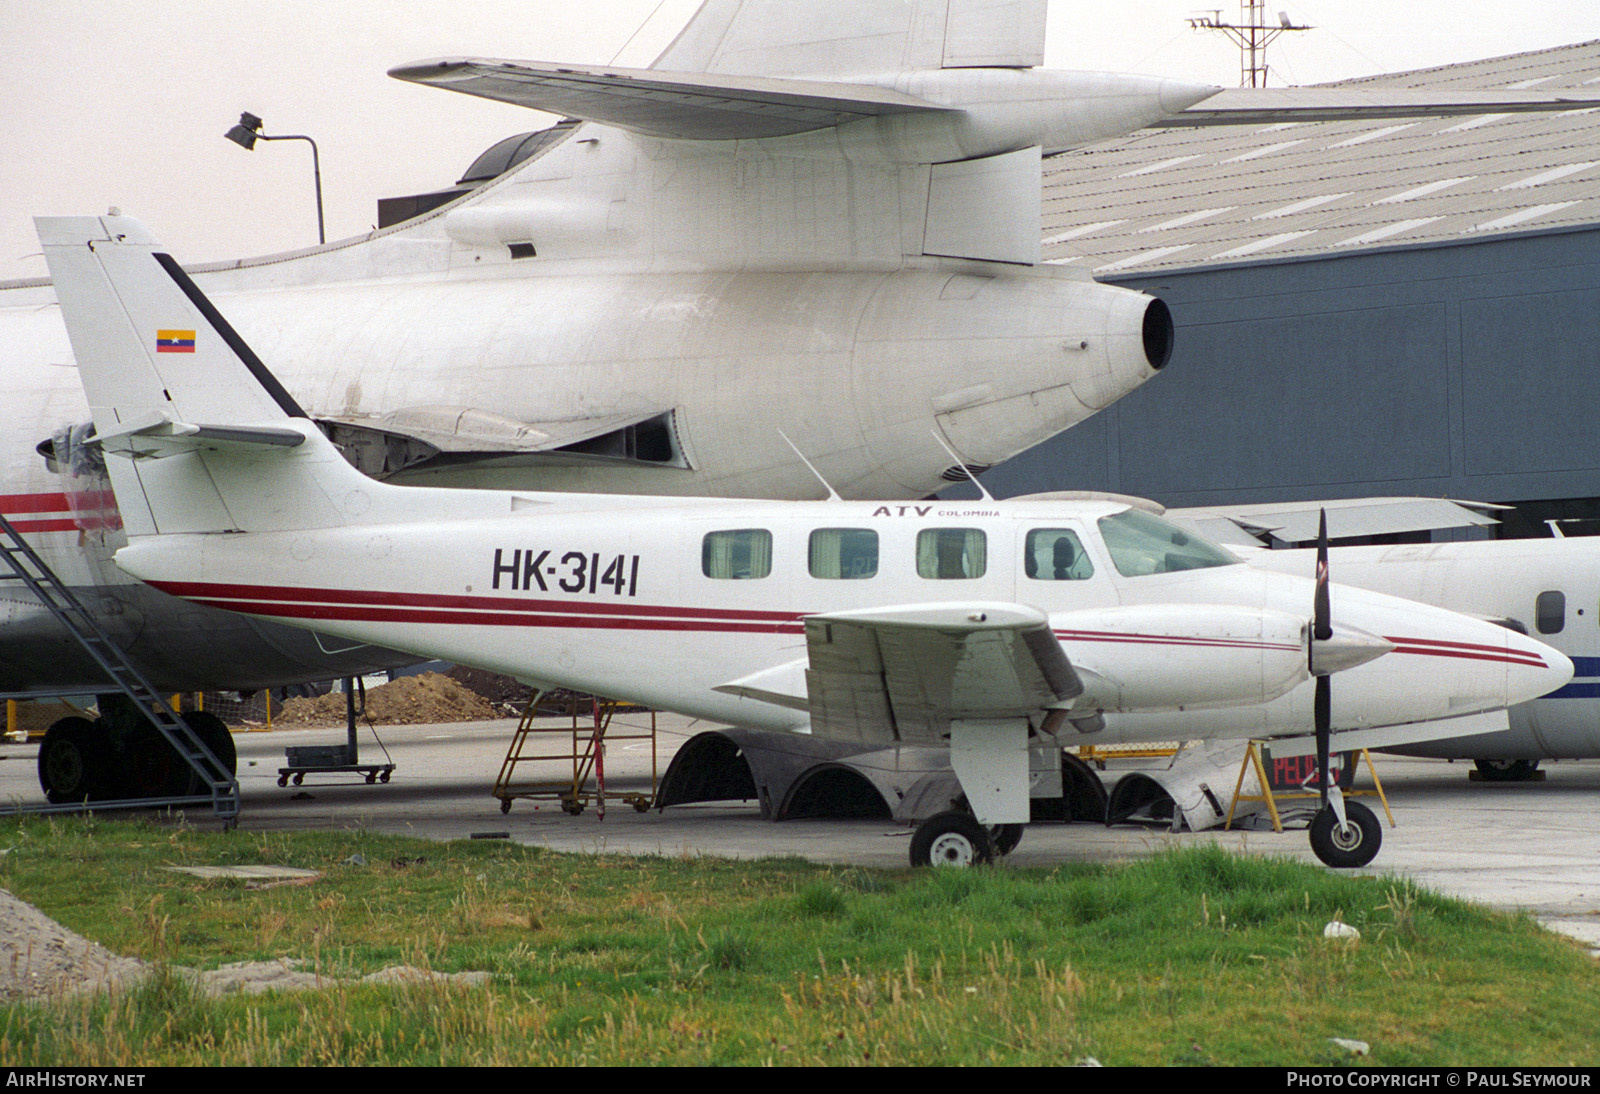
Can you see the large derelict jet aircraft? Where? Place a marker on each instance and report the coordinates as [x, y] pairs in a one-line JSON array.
[[762, 236], [1003, 630]]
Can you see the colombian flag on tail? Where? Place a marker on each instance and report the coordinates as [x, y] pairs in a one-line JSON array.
[[174, 341]]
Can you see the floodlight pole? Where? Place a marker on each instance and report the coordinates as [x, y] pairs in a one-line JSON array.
[[248, 131]]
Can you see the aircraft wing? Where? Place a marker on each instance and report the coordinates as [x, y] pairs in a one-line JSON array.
[[1268, 106], [674, 105], [1296, 522], [905, 673]]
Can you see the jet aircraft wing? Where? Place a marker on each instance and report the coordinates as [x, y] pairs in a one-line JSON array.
[[1268, 106], [905, 673], [675, 105]]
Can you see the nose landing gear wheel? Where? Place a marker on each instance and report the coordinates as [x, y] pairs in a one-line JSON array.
[[951, 839], [1356, 844]]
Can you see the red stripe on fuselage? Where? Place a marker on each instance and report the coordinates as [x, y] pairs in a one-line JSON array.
[[34, 503], [57, 525], [1172, 640], [365, 614], [221, 595], [1435, 647]]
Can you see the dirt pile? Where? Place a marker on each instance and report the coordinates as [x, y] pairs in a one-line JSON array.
[[410, 700], [504, 691], [40, 957]]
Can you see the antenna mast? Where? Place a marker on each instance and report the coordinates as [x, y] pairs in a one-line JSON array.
[[1252, 34]]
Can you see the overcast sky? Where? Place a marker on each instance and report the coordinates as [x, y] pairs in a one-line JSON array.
[[124, 102]]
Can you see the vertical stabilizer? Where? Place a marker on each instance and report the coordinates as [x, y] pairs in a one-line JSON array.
[[857, 37], [200, 436]]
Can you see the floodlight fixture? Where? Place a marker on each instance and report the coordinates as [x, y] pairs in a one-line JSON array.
[[248, 131]]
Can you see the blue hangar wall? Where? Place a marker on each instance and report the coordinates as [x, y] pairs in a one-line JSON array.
[[1468, 370]]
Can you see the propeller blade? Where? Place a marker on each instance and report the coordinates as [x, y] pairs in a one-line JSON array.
[[1321, 631], [1322, 619]]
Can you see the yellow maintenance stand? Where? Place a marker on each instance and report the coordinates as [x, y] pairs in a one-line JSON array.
[[1252, 760], [568, 759]]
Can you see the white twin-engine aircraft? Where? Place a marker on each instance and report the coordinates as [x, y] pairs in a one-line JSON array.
[[1004, 629]]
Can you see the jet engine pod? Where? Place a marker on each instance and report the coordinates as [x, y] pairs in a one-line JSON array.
[[1158, 333], [1004, 360]]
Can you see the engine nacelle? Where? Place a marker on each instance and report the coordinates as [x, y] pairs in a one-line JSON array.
[[1168, 657]]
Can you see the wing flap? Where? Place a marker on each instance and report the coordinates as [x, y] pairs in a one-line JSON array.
[[1269, 106], [903, 674], [673, 105]]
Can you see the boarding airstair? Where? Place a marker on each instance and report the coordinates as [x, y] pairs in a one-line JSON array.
[[222, 789]]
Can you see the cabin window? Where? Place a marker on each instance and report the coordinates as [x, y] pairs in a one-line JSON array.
[[846, 553], [739, 555], [1550, 612], [1056, 554], [946, 554], [1142, 543]]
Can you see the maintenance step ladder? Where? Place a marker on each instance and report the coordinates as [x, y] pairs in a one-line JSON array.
[[1252, 764], [578, 751], [223, 789]]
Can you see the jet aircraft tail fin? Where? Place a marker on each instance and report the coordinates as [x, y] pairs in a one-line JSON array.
[[838, 38], [201, 436]]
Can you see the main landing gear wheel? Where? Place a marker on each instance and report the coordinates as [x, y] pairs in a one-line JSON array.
[[1356, 844], [214, 734], [1506, 771], [72, 761], [1005, 838], [951, 839]]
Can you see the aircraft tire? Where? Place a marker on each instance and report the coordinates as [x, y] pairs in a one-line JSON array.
[[1356, 846], [1506, 771], [951, 839], [74, 761], [1005, 838]]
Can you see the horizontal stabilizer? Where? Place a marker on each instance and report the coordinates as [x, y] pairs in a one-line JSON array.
[[1267, 106], [155, 435], [1296, 521], [674, 105]]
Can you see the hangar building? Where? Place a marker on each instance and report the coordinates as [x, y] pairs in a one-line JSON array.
[[1363, 308]]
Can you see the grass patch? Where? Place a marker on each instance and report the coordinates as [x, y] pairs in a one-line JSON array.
[[1190, 957]]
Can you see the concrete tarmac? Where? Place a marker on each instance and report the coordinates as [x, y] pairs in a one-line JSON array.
[[1530, 846]]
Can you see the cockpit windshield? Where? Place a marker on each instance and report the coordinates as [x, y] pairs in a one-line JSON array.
[[1141, 543]]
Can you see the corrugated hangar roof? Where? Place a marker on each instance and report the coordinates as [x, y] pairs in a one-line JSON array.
[[1172, 198]]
